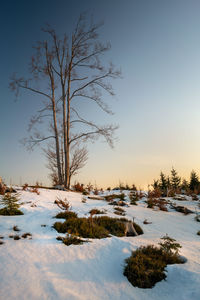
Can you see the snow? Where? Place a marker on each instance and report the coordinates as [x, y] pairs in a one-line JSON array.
[[43, 268]]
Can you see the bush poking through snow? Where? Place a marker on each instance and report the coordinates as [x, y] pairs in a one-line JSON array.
[[25, 187], [35, 190], [198, 232], [96, 227], [63, 204], [27, 234], [11, 205], [16, 237], [96, 211], [119, 211], [146, 266], [71, 240], [134, 197], [15, 228], [66, 215]]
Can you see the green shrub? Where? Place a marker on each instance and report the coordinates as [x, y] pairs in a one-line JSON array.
[[66, 215], [119, 211], [113, 225], [84, 227], [115, 196], [146, 266], [96, 211], [96, 227], [71, 240], [134, 197], [11, 205]]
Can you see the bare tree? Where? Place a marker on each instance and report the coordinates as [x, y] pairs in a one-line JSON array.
[[82, 76], [41, 67], [74, 65], [78, 159]]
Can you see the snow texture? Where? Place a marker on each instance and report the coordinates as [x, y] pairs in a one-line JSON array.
[[43, 268]]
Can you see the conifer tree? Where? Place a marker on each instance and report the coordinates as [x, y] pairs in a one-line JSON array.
[[163, 184], [194, 181], [175, 179]]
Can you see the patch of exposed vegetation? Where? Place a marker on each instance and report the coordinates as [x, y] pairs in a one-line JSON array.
[[154, 202], [66, 215], [96, 211], [94, 227], [71, 240], [146, 266], [115, 196], [16, 228], [27, 234], [16, 237], [119, 211]]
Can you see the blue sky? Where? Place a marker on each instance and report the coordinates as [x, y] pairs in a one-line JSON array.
[[157, 103]]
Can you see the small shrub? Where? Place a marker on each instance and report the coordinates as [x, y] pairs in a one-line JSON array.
[[78, 187], [35, 190], [16, 237], [134, 197], [160, 203], [115, 196], [71, 240], [66, 215], [96, 211], [146, 222], [83, 200], [96, 227], [85, 193], [156, 193], [146, 266], [119, 211], [198, 232], [96, 192], [15, 228], [2, 189], [25, 187], [62, 204], [169, 246], [11, 205], [1, 243], [25, 235]]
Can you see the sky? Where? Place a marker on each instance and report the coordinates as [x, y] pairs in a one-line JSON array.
[[157, 104]]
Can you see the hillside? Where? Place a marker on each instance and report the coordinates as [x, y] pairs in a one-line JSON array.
[[41, 267]]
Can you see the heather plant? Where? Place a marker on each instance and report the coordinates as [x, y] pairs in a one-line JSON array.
[[94, 227], [71, 240], [146, 265]]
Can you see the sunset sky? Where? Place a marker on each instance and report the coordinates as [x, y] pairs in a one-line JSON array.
[[157, 104]]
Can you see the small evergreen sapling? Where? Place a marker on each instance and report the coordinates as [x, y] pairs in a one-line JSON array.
[[169, 246], [10, 203]]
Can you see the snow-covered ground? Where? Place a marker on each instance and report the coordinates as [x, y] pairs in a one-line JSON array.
[[43, 268]]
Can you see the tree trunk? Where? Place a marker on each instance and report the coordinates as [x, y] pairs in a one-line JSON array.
[[57, 144], [67, 166], [65, 133]]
